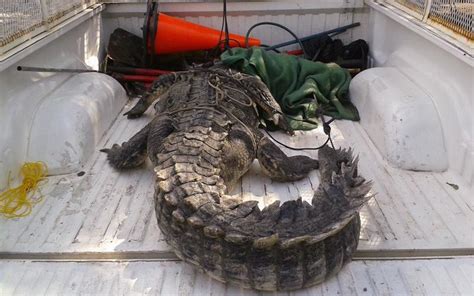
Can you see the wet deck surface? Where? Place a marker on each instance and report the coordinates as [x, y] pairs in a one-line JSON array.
[[110, 214]]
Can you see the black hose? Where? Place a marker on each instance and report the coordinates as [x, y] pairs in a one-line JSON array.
[[332, 31], [279, 26], [266, 45]]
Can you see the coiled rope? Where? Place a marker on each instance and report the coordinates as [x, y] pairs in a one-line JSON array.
[[17, 202]]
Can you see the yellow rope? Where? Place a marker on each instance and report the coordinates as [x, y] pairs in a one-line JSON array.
[[18, 202]]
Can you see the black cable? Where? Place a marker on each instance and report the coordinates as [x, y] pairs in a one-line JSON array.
[[279, 26], [222, 31], [326, 129], [298, 148], [226, 27], [231, 39]]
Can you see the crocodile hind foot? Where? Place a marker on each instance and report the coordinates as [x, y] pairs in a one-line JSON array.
[[279, 167]]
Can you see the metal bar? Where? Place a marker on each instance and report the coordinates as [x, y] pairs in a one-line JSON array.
[[91, 256], [137, 71], [40, 69], [336, 30], [376, 254], [427, 11]]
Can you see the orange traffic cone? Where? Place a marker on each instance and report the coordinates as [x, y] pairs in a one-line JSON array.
[[176, 35]]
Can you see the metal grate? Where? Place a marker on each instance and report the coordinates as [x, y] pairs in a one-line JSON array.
[[417, 6], [55, 9], [18, 18], [23, 19], [456, 15], [452, 17]]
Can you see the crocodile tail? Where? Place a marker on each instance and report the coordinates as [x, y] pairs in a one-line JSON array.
[[285, 247]]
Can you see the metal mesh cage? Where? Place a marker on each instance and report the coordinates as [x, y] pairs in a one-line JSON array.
[[454, 18], [417, 6], [456, 15], [55, 9], [23, 19], [18, 18]]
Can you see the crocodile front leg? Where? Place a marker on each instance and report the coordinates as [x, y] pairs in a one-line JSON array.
[[279, 167], [157, 89], [238, 154], [161, 127], [262, 96], [147, 141]]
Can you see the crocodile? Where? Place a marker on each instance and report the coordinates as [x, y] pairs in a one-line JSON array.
[[202, 140]]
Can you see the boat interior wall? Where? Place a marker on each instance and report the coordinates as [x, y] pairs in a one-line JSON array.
[[302, 17], [437, 70], [24, 95]]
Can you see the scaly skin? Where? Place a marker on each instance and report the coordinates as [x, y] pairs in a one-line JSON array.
[[203, 139]]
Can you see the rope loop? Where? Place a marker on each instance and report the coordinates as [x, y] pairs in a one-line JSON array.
[[18, 202]]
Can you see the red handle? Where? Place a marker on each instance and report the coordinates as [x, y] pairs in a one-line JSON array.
[[137, 71], [136, 78]]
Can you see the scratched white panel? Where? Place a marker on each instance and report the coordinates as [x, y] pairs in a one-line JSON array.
[[417, 277], [110, 211], [361, 16]]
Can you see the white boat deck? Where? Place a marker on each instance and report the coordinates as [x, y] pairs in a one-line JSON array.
[[106, 214], [418, 277]]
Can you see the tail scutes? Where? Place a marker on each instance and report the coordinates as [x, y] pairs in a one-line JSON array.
[[285, 247]]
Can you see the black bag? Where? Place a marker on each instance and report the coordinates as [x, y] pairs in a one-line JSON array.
[[327, 50]]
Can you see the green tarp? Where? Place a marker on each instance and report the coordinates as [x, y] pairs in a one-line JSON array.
[[301, 87]]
